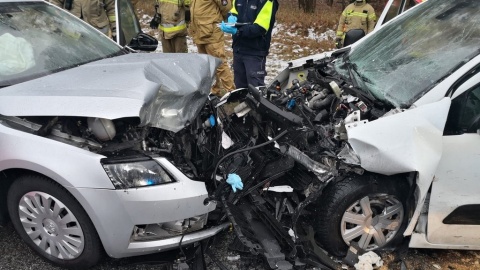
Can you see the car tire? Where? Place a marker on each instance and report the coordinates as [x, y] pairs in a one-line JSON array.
[[355, 209], [49, 219]]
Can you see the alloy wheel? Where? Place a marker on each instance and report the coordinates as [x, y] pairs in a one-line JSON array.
[[372, 221]]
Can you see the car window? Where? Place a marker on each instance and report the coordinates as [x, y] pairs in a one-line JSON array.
[[409, 4], [393, 11], [37, 39], [128, 22], [464, 113], [406, 58]]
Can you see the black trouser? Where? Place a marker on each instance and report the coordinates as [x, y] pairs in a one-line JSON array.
[[248, 69]]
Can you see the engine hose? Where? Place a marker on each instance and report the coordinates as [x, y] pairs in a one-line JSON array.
[[315, 98], [323, 103], [322, 115], [243, 150]]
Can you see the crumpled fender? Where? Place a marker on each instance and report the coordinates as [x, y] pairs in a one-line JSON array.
[[404, 142]]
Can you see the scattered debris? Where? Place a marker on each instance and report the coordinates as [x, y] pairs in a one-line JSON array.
[[233, 258], [369, 261]]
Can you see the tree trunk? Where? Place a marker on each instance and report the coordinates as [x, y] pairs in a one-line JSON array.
[[310, 6], [301, 4]]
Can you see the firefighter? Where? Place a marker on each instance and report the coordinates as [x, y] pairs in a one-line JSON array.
[[358, 15], [98, 13], [251, 42], [205, 16], [173, 27]]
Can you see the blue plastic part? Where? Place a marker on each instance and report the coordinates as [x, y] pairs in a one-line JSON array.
[[235, 181], [291, 104], [212, 120]]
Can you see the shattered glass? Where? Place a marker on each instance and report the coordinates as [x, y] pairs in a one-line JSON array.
[[403, 60]]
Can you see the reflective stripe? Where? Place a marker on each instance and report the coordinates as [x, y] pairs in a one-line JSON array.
[[176, 2], [339, 33], [234, 9], [112, 18], [358, 14], [168, 28], [265, 16], [372, 16], [186, 2]]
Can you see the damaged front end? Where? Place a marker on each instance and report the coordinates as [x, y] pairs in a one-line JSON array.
[[287, 144]]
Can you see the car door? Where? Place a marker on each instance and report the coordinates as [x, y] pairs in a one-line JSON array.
[[129, 31], [453, 216]]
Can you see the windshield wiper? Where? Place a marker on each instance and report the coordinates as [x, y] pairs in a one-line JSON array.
[[351, 67], [348, 64]]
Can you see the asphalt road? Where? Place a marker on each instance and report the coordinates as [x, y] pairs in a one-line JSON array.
[[16, 255]]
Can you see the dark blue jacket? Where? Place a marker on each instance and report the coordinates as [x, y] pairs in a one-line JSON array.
[[254, 38]]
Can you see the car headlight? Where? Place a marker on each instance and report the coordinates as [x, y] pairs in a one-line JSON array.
[[137, 174]]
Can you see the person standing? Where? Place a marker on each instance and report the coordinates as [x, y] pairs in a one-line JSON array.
[[205, 16], [98, 13], [358, 15], [173, 27], [251, 39]]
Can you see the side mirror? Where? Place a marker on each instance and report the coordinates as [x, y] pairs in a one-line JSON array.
[[144, 42]]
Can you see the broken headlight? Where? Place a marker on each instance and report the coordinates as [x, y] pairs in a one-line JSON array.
[[137, 174]]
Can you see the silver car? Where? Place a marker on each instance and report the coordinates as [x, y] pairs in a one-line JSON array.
[[89, 132]]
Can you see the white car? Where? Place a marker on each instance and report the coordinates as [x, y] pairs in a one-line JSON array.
[[82, 123], [419, 134], [361, 148]]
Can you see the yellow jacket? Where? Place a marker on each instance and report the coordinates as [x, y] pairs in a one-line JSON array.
[[173, 18], [357, 16], [98, 13], [206, 14]]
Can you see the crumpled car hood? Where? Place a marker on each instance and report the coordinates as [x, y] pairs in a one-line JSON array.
[[163, 90]]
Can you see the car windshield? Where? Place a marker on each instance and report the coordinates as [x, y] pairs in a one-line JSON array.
[[405, 59], [38, 39]]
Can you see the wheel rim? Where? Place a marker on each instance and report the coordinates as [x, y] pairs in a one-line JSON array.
[[51, 225], [372, 221]]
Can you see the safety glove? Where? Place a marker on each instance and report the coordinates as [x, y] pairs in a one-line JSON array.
[[228, 29], [232, 19], [235, 181]]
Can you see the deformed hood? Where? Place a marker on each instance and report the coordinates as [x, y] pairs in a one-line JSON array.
[[164, 90]]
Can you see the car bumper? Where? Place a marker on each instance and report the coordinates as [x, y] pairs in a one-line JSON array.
[[139, 248], [116, 214]]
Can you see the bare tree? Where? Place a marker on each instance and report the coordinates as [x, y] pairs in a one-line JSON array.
[[301, 4], [308, 6]]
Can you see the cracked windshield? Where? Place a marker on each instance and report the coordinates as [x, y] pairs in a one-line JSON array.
[[404, 60]]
